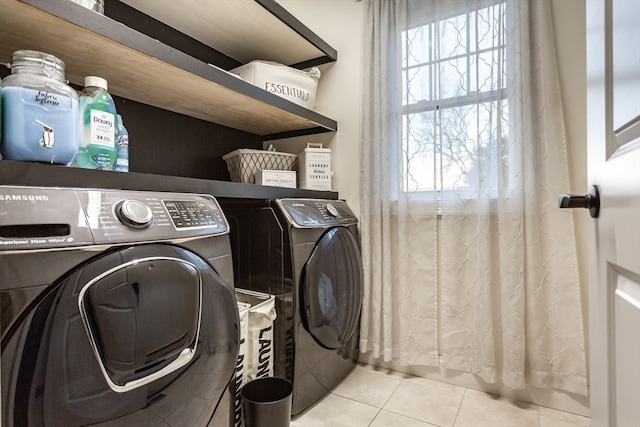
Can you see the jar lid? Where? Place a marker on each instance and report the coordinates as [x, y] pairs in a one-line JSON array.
[[95, 81], [40, 62]]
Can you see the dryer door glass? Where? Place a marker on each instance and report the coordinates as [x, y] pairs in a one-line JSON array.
[[331, 289]]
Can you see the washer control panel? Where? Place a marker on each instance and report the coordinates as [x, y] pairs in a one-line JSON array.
[[311, 213], [42, 217], [194, 213]]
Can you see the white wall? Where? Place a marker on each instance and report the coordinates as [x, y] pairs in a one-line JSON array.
[[339, 22]]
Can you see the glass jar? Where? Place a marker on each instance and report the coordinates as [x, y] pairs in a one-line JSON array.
[[95, 5], [40, 110]]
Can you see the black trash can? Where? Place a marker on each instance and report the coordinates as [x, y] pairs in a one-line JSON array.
[[266, 402]]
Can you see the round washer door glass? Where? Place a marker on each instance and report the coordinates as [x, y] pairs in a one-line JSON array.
[[331, 288]]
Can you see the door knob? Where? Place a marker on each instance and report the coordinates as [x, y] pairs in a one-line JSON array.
[[589, 201]]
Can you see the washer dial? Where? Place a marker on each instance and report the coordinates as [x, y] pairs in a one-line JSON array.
[[134, 214], [332, 210]]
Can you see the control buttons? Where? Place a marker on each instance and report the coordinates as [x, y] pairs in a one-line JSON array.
[[332, 210], [134, 214], [193, 214]]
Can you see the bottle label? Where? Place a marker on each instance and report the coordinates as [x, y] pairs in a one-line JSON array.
[[102, 129], [31, 120]]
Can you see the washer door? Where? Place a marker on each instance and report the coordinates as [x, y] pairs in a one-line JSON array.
[[331, 288], [142, 319], [145, 335]]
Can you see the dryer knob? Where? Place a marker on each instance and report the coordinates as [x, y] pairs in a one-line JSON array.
[[134, 214], [332, 211]]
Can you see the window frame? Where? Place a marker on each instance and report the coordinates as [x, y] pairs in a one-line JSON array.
[[440, 196]]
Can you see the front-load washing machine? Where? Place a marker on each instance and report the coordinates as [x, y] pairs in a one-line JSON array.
[[118, 308], [306, 253]]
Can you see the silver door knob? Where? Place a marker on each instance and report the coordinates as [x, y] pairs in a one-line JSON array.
[[589, 201]]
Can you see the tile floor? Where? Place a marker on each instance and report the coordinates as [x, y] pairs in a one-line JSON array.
[[375, 397]]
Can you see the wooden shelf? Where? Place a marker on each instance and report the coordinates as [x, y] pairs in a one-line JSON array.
[[143, 69], [40, 175], [250, 29]]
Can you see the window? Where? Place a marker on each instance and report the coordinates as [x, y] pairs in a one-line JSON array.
[[454, 104]]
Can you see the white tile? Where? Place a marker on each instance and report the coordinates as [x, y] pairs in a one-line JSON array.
[[552, 418], [420, 402], [390, 419], [425, 401], [554, 422], [378, 370], [367, 387], [436, 385], [336, 411], [481, 409]]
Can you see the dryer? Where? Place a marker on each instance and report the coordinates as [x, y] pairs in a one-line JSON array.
[[117, 308], [305, 252]]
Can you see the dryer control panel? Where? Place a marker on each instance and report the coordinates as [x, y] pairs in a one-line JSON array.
[[49, 218], [312, 213]]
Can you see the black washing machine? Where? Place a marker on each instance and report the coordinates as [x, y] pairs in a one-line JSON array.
[[305, 252], [118, 308]]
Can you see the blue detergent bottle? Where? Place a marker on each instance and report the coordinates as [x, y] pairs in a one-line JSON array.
[[122, 152]]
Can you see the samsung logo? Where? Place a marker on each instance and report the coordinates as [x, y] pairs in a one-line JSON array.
[[22, 198]]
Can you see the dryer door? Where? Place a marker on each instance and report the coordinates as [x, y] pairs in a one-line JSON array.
[[145, 335], [331, 288]]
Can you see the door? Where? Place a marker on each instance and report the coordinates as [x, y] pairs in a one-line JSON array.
[[331, 288], [613, 116], [143, 335]]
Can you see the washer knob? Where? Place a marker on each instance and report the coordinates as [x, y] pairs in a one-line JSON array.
[[134, 214], [332, 210]]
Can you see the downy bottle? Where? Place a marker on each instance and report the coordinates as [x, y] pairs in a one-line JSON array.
[[122, 153], [97, 126]]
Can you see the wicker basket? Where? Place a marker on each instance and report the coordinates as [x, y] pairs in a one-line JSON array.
[[244, 163]]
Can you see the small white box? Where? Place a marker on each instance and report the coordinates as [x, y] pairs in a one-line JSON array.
[[276, 178], [314, 165], [294, 85]]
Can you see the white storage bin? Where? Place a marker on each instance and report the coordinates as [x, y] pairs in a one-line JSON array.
[[294, 85], [276, 178], [314, 166]]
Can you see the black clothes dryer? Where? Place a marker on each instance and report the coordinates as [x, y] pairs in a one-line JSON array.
[[118, 308], [305, 252]]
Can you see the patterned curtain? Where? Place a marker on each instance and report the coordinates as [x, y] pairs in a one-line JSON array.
[[468, 262]]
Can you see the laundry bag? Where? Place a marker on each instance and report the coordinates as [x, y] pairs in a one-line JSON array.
[[262, 313], [240, 374]]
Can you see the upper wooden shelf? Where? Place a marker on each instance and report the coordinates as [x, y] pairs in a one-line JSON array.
[[146, 70], [243, 29]]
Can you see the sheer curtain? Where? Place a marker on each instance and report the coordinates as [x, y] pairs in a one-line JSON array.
[[468, 262]]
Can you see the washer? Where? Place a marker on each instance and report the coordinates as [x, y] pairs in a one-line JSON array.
[[305, 252], [117, 308]]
